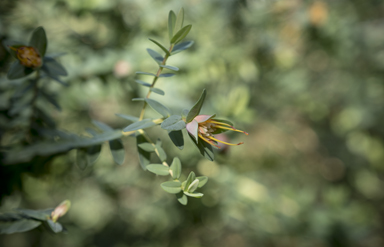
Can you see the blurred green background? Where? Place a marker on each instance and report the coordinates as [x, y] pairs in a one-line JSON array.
[[304, 78]]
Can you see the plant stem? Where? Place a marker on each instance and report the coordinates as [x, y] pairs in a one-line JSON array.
[[33, 104], [154, 81]]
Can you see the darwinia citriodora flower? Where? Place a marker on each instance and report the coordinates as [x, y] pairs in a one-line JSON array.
[[28, 56], [204, 127]]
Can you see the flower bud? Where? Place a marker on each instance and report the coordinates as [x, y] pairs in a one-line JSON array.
[[60, 210], [28, 56]]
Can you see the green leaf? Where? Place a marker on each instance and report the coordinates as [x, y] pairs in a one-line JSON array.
[[17, 71], [117, 150], [128, 117], [62, 145], [170, 67], [162, 154], [172, 187], [102, 126], [171, 23], [81, 158], [179, 20], [143, 124], [157, 90], [39, 40], [145, 73], [195, 110], [202, 180], [138, 99], [36, 214], [146, 146], [144, 156], [177, 138], [158, 169], [195, 195], [176, 168], [183, 199], [204, 148], [50, 99], [54, 77], [167, 75], [54, 68], [56, 227], [158, 107], [93, 153], [20, 225], [161, 46], [193, 186], [181, 47], [156, 56], [172, 123], [190, 179], [180, 35], [146, 84], [184, 114]]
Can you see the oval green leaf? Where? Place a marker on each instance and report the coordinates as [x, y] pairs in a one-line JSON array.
[[157, 90], [173, 123], [158, 169], [176, 168], [39, 40], [180, 35], [202, 180], [158, 107], [172, 187], [143, 124], [117, 150], [177, 138], [195, 110], [155, 55]]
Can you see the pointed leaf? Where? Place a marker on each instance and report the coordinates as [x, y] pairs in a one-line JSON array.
[[36, 214], [195, 110], [179, 20], [143, 124], [193, 186], [204, 148], [161, 153], [21, 225], [81, 158], [167, 75], [158, 107], [161, 46], [177, 138], [176, 168], [170, 67], [144, 156], [171, 23], [117, 150], [195, 195], [17, 71], [157, 90], [39, 40], [180, 35], [93, 153], [146, 84], [202, 180], [145, 73], [146, 146], [190, 179], [128, 117], [102, 126], [56, 227], [54, 68], [183, 199], [181, 47], [172, 187], [158, 169], [172, 123], [155, 55], [50, 99]]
